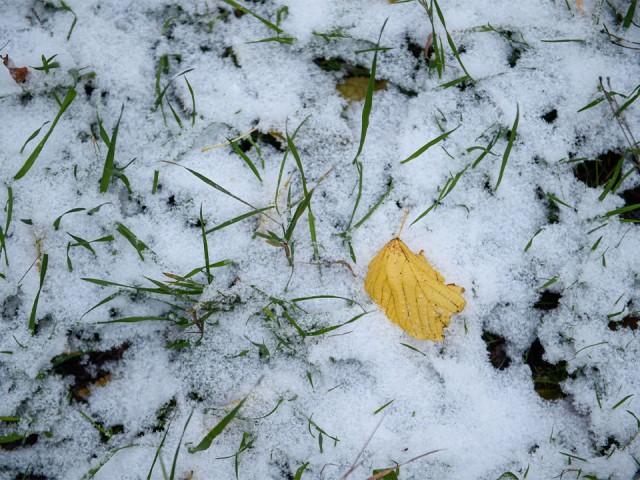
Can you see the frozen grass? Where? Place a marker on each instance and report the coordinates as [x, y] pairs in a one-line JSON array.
[[193, 191]]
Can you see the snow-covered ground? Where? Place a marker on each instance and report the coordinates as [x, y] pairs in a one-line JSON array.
[[538, 376]]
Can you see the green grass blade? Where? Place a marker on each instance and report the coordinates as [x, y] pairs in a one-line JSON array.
[[359, 168], [155, 457], [213, 184], [555, 199], [205, 443], [450, 41], [302, 206], [618, 211], [66, 7], [628, 18], [410, 347], [205, 247], [548, 283], [238, 219], [43, 272], [273, 27], [3, 247], [175, 457], [428, 145], [175, 115], [486, 150], [312, 220], [160, 94], [110, 160], [454, 82], [97, 209], [446, 190], [193, 101], [81, 242], [106, 283], [591, 104], [632, 98], [294, 324], [71, 94], [316, 297], [103, 301], [32, 136], [154, 187], [621, 401], [138, 244], [384, 406], [103, 133], [284, 161], [300, 471], [286, 40], [134, 320], [507, 151], [56, 223], [375, 206], [5, 232], [622, 179], [9, 208], [322, 331], [258, 150], [91, 473], [564, 40], [530, 242], [368, 101], [246, 159], [612, 181]]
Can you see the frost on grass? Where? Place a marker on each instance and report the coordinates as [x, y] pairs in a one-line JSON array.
[[524, 162]]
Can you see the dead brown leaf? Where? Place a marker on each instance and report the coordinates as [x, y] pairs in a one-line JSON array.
[[19, 74]]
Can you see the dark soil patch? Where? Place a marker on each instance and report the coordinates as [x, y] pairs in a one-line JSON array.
[[89, 369], [546, 376], [24, 441], [606, 448], [163, 415], [553, 210], [631, 322], [550, 116], [497, 348], [513, 57], [596, 173], [338, 64], [416, 50], [548, 300], [631, 197]]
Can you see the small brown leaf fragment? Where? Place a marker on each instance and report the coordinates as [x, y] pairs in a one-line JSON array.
[[427, 47], [411, 292], [19, 74]]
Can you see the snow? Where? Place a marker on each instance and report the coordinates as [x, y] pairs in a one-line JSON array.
[[444, 397]]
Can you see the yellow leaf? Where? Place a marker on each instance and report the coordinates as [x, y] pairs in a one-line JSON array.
[[354, 89], [411, 292]]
